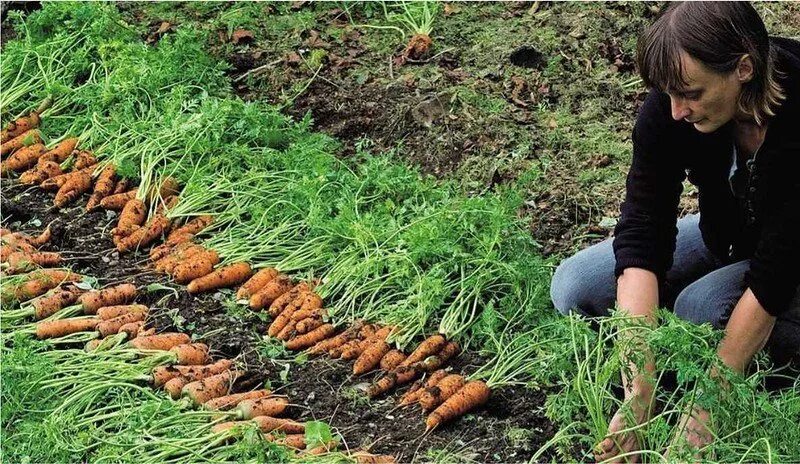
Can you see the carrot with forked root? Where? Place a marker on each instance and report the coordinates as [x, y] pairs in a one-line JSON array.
[[444, 389], [307, 325], [413, 394], [62, 327], [471, 395], [23, 159], [431, 363], [109, 296], [20, 126], [112, 326], [117, 201], [102, 187], [54, 184], [168, 263], [73, 188], [311, 338], [190, 354], [209, 388], [85, 159], [223, 403], [41, 172], [227, 276], [163, 341], [256, 282]]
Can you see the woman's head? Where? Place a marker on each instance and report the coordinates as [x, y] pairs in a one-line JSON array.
[[715, 62]]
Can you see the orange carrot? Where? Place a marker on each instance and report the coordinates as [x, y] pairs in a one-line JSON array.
[[175, 386], [26, 138], [227, 276], [169, 187], [371, 357], [109, 296], [265, 424], [48, 305], [112, 326], [163, 250], [444, 389], [131, 218], [328, 343], [53, 184], [286, 298], [117, 201], [192, 227], [310, 302], [471, 395], [272, 407], [145, 235], [307, 325], [122, 186], [41, 281], [256, 283], [42, 238], [392, 359], [400, 376], [271, 291], [431, 363], [163, 341], [190, 354], [62, 327], [41, 172], [309, 339], [223, 403], [131, 329], [209, 388], [102, 187], [110, 312], [287, 331], [362, 457], [281, 321], [85, 159], [146, 332], [198, 266], [169, 263], [20, 126], [21, 261], [163, 374], [22, 159], [412, 395], [429, 347], [296, 440], [73, 188], [61, 152]]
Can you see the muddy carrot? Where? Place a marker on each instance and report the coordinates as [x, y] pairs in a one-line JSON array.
[[62, 327], [224, 277], [209, 388], [145, 235], [163, 341], [20, 126], [296, 440], [122, 186], [131, 218], [332, 342], [42, 238], [280, 322], [271, 406], [84, 160], [109, 296], [307, 325], [61, 152], [41, 281], [26, 138], [112, 326], [162, 251], [311, 301], [370, 358], [444, 389], [146, 332], [179, 254], [413, 394], [73, 188], [286, 298], [102, 187], [271, 291], [22, 261], [110, 312], [192, 227], [163, 374], [41, 172], [256, 283], [287, 331], [190, 354], [309, 339], [362, 457], [471, 395], [192, 269], [428, 347], [392, 359], [400, 376], [22, 159], [431, 363], [131, 329], [265, 424], [54, 184], [223, 403], [48, 305], [175, 386], [117, 201]]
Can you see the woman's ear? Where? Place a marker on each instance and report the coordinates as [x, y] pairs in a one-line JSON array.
[[744, 69]]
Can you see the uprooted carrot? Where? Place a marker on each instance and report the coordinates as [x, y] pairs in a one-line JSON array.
[[428, 347], [286, 298], [42, 238], [112, 326], [109, 296], [400, 376], [163, 341], [61, 152], [175, 386], [274, 288], [265, 424], [439, 393], [309, 339], [197, 266], [256, 283], [103, 186], [412, 395], [53, 184], [295, 440], [47, 305], [73, 188], [131, 218], [24, 139], [269, 406], [471, 395], [168, 264], [131, 329], [22, 159], [392, 359], [224, 277], [354, 345], [110, 312], [169, 187], [145, 235], [162, 251], [288, 331], [431, 363], [371, 357], [40, 282], [84, 160], [209, 388], [331, 342], [20, 261], [307, 325], [122, 186], [362, 457], [280, 322], [41, 172], [117, 201], [62, 327], [163, 374], [190, 354], [223, 403], [192, 227], [20, 126]]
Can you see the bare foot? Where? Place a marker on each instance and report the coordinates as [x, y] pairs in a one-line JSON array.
[[620, 439], [693, 432]]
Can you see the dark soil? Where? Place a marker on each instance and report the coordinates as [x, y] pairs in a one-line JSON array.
[[510, 428]]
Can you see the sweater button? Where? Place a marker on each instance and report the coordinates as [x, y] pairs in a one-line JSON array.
[[752, 190]]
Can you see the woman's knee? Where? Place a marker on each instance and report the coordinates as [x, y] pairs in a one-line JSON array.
[[700, 304], [584, 284]]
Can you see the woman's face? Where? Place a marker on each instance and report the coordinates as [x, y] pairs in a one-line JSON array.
[[710, 99]]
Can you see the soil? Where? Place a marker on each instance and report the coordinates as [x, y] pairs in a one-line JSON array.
[[509, 428]]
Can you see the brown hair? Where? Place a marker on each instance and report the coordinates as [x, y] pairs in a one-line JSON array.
[[717, 34]]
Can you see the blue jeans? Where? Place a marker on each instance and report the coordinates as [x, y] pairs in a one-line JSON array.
[[699, 288]]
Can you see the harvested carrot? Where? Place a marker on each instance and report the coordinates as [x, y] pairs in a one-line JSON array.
[[332, 342], [22, 159], [162, 251], [54, 184], [102, 187], [400, 376], [413, 394], [271, 291], [311, 301], [41, 172], [48, 305], [392, 359], [41, 281], [265, 424], [169, 187], [295, 440], [429, 347], [177, 256], [223, 403], [117, 201], [192, 227], [163, 374], [175, 386], [287, 331], [362, 457], [444, 389], [190, 354], [131, 218], [73, 188], [192, 269], [62, 327], [163, 341], [371, 357], [61, 152], [271, 406], [85, 159], [176, 239], [20, 126], [42, 238], [110, 312], [256, 283], [123, 185], [304, 341], [209, 388], [112, 326], [471, 395], [280, 322], [146, 332], [280, 303], [227, 276], [307, 325], [145, 235], [20, 261], [92, 345], [24, 139], [131, 329], [109, 296], [431, 363]]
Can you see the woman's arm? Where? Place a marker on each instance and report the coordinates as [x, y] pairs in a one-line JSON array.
[[746, 333]]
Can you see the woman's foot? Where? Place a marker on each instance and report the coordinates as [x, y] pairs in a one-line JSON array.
[[622, 437]]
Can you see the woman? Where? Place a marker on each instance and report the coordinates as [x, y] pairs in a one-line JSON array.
[[724, 110]]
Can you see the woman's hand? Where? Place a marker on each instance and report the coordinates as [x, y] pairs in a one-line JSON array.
[[694, 431]]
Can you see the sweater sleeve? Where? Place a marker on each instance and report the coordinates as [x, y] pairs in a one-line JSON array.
[[646, 232]]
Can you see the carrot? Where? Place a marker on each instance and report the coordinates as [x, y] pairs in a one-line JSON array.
[[92, 345], [265, 424], [26, 138], [163, 341], [296, 440], [146, 332], [256, 283], [41, 281], [163, 374], [61, 152], [198, 266], [429, 347], [362, 457], [287, 331], [209, 388], [168, 188], [400, 376], [162, 251], [280, 322], [117, 201], [444, 389], [223, 403], [192, 227], [272, 407], [392, 359], [354, 349], [110, 312], [85, 159], [42, 238], [73, 188], [144, 236], [176, 255], [131, 329], [175, 386], [102, 187], [62, 327], [271, 291], [471, 395], [307, 325], [112, 326], [131, 218], [431, 363], [22, 159], [413, 394], [55, 183], [48, 305], [371, 357], [190, 354], [122, 186], [311, 301], [20, 126], [281, 302], [324, 345], [22, 261], [43, 170], [109, 296], [310, 338], [227, 276]]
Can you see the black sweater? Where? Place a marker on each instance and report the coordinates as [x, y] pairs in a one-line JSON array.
[[765, 228]]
